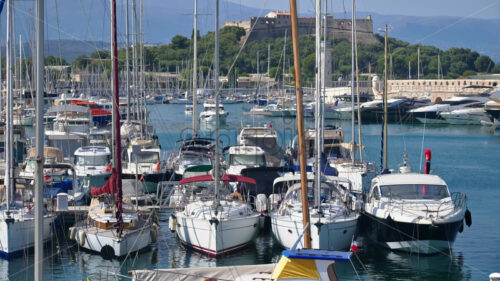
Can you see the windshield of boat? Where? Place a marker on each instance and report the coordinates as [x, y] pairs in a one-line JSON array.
[[195, 160], [414, 191], [145, 157], [329, 191], [247, 159], [100, 160]]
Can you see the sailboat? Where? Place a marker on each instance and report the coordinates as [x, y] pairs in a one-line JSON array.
[[220, 224], [333, 222], [17, 220], [114, 228]]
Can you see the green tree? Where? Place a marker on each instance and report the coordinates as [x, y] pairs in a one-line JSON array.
[[484, 64]]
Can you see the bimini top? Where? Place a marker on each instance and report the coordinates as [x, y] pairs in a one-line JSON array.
[[410, 178]]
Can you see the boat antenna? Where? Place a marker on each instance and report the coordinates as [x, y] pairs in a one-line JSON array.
[[39, 136], [300, 122], [116, 120]]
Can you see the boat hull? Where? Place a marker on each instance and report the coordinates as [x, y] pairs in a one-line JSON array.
[[131, 241], [336, 235], [18, 236], [24, 121], [412, 237], [216, 239]]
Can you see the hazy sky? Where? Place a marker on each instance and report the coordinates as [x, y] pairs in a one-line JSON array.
[[485, 9]]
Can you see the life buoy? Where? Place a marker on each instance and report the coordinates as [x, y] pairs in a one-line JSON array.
[[235, 194]]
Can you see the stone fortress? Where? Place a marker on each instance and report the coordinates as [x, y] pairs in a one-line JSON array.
[[274, 25]]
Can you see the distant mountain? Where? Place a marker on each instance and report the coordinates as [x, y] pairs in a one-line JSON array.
[[481, 35], [80, 23]]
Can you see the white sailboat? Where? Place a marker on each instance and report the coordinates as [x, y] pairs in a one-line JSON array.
[[219, 225], [17, 222], [113, 227]]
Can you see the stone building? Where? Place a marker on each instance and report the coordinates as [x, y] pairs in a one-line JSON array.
[[274, 24]]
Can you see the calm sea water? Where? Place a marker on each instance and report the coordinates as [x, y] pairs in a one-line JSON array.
[[467, 158]]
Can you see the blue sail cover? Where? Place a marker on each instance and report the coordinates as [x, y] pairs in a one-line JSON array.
[[1, 5]]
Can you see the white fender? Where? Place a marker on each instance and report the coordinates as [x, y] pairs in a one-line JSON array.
[[82, 237]]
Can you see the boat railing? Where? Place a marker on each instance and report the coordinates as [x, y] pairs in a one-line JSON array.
[[458, 199]]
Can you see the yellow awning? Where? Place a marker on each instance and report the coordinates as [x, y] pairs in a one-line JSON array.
[[295, 268]]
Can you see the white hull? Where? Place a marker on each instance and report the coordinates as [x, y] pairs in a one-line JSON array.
[[19, 235], [131, 240], [332, 236], [431, 120], [212, 239], [465, 119], [210, 118]]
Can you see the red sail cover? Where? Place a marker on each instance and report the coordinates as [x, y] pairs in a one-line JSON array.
[[107, 188]]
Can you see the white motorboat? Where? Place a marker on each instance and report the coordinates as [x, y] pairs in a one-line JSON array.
[[245, 156], [333, 224], [208, 114], [216, 227], [266, 138], [143, 159], [472, 114], [92, 166], [414, 213], [24, 117], [188, 110], [492, 108], [192, 152], [431, 114]]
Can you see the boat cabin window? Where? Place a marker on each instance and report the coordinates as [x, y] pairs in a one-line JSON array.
[[96, 137], [247, 159], [376, 193], [100, 160], [145, 157], [414, 191]]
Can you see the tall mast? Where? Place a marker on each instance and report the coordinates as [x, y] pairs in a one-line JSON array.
[[323, 76], [20, 63], [216, 77], [195, 70], [353, 134], [439, 66], [127, 61], [317, 111], [8, 112], [385, 100], [300, 123], [40, 66], [116, 118], [360, 138], [134, 58]]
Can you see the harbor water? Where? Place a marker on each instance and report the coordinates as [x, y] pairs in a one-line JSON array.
[[466, 157]]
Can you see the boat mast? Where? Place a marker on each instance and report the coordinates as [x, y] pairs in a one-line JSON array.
[[317, 111], [8, 113], [134, 59], [39, 136], [300, 123], [117, 164], [360, 139], [216, 77], [127, 61], [195, 70], [418, 64], [353, 134], [385, 101]]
